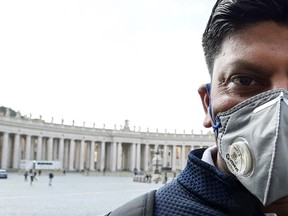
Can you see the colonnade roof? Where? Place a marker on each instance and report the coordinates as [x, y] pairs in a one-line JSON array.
[[40, 127]]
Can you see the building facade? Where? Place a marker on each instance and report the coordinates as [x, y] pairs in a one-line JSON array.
[[96, 149]]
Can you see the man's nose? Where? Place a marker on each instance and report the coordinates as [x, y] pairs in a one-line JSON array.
[[280, 82]]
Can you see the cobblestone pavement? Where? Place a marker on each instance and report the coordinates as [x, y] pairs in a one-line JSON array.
[[69, 195]]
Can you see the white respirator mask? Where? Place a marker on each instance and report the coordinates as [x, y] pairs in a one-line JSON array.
[[252, 138]]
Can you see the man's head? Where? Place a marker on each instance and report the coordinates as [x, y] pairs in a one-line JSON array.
[[246, 49], [230, 16], [229, 25]]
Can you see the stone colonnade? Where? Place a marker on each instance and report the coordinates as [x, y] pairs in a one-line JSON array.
[[78, 148]]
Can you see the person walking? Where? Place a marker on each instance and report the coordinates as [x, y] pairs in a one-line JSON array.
[[165, 178], [34, 178], [31, 178], [25, 176], [50, 178]]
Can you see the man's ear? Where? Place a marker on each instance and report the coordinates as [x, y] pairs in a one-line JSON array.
[[205, 103]]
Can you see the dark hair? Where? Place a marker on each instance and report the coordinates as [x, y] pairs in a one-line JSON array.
[[230, 16]]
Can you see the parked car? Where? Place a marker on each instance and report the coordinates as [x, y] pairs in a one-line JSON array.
[[3, 173]]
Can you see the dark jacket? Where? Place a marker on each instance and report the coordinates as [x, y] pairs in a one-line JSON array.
[[199, 190], [140, 206]]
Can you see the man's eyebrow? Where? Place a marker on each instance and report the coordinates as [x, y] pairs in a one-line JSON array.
[[253, 67]]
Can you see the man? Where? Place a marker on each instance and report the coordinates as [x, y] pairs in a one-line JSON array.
[[50, 178], [31, 177], [246, 49]]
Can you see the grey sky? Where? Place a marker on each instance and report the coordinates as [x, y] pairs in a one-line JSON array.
[[105, 61]]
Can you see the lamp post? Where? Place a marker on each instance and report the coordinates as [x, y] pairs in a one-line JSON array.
[[157, 153], [157, 160]]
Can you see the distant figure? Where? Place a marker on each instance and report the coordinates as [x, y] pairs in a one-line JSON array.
[[39, 172], [165, 178], [64, 172], [50, 178], [149, 178], [135, 171], [31, 178], [174, 175], [34, 174], [25, 175]]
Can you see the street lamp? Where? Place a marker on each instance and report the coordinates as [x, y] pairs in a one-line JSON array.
[[157, 160]]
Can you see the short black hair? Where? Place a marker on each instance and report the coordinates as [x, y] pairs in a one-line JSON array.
[[230, 16]]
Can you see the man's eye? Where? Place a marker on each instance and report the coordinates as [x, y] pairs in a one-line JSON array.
[[242, 80]]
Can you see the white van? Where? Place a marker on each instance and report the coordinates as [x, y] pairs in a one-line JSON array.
[[3, 173]]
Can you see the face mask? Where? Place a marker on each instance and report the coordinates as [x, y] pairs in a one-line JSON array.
[[252, 138]]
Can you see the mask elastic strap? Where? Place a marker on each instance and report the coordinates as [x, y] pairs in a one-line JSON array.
[[215, 124]]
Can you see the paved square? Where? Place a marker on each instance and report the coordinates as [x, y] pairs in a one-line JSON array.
[[70, 195]]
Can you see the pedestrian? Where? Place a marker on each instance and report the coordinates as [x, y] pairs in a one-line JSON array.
[[31, 178], [39, 172], [135, 171], [50, 178], [25, 175], [174, 175], [146, 177], [165, 178], [35, 173], [245, 45]]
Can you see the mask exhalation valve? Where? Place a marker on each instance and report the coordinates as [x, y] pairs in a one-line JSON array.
[[239, 158]]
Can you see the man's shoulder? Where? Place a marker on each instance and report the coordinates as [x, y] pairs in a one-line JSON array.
[[140, 206]]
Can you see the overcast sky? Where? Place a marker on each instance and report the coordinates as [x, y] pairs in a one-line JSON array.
[[105, 61]]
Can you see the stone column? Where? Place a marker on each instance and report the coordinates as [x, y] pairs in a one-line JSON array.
[[165, 155], [61, 151], [174, 157], [77, 155], [55, 149], [132, 158], [87, 155], [16, 151], [138, 157], [28, 148], [71, 155], [102, 157], [146, 157], [98, 165], [4, 161], [32, 152], [66, 154], [114, 156], [183, 157], [44, 148], [92, 155], [82, 154], [119, 156], [39, 148], [22, 147], [50, 148]]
